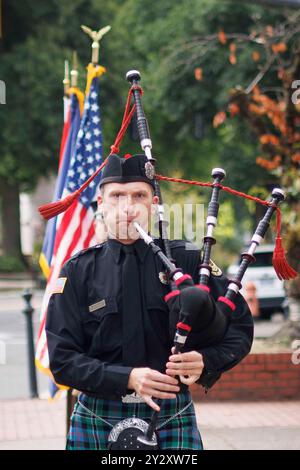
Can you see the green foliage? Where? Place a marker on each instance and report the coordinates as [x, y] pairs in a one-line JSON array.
[[161, 46], [10, 264], [154, 37], [149, 36], [38, 37]]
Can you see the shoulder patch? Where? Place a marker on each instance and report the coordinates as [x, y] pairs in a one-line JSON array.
[[215, 270], [59, 285]]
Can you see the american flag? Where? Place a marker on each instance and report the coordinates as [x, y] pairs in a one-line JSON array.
[[70, 130], [75, 228]]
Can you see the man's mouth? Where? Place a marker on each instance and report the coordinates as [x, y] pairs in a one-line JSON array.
[[126, 221]]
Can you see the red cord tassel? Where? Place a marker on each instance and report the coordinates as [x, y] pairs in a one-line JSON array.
[[282, 268], [54, 208]]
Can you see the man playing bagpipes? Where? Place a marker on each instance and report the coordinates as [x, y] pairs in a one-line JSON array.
[[136, 320]]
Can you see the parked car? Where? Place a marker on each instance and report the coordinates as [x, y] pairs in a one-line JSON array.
[[269, 289]]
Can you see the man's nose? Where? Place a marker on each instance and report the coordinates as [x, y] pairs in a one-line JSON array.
[[128, 205]]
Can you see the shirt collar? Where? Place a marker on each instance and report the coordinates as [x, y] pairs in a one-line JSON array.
[[116, 248]]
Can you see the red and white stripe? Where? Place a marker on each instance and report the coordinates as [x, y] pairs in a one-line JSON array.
[[75, 232]]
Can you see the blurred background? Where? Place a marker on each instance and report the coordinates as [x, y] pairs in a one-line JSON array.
[[221, 84]]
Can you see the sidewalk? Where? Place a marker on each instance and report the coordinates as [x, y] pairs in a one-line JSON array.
[[16, 281], [40, 425], [250, 426], [32, 424]]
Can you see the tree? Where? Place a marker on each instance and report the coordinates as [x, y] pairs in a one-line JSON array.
[[37, 38], [268, 104], [273, 113], [186, 73], [163, 40]]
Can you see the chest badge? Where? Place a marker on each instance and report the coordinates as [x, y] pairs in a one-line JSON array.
[[163, 278], [215, 270], [97, 306]]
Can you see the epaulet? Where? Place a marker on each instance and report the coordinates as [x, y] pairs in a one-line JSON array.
[[86, 250]]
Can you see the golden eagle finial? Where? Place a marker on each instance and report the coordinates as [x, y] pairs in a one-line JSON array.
[[96, 36]]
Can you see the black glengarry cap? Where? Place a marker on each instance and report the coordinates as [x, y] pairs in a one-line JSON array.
[[128, 169]]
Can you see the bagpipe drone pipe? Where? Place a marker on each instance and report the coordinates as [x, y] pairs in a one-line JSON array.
[[186, 300], [193, 313]]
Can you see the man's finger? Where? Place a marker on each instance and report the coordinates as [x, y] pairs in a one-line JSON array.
[[150, 402], [183, 371], [164, 395], [179, 365], [163, 378], [162, 386], [186, 357], [189, 380], [157, 394]]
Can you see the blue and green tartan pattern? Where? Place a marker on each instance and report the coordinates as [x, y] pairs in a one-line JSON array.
[[88, 432]]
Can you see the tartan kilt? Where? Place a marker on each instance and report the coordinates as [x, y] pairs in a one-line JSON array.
[[88, 432]]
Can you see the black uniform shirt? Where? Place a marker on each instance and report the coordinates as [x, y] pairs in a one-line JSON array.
[[83, 324]]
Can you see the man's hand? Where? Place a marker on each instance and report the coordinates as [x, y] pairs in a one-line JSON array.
[[150, 383], [187, 365]]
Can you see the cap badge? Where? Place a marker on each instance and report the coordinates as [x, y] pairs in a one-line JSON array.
[[149, 170]]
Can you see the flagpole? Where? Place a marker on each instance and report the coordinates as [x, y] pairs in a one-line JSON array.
[[74, 71], [66, 83], [71, 397], [66, 80], [1, 16]]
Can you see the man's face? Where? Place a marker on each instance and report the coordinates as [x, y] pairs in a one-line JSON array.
[[123, 203]]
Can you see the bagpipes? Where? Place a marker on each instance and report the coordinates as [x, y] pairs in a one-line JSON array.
[[194, 315], [195, 318]]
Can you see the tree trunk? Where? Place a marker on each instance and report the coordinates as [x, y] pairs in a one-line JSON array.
[[10, 219]]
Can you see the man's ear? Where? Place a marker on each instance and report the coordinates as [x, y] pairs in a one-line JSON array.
[[154, 204], [99, 199]]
